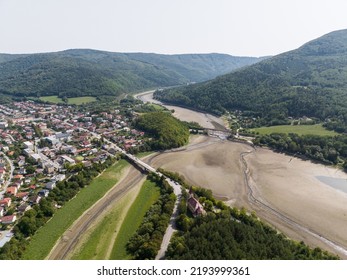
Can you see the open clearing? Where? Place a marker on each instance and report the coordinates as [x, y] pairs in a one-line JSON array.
[[289, 185], [52, 99], [316, 129], [80, 100], [70, 101]]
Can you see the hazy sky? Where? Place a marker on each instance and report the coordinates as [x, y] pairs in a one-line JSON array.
[[237, 27]]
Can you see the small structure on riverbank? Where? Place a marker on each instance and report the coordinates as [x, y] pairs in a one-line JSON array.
[[194, 205]]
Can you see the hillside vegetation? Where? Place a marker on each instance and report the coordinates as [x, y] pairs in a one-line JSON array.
[[311, 81], [75, 73], [167, 131]]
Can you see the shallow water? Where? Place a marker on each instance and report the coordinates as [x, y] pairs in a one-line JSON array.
[[337, 183]]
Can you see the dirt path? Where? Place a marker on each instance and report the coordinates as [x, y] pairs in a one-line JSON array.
[[122, 217], [66, 244]]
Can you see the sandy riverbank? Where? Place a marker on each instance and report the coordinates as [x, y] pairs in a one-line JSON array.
[[205, 120], [287, 184]]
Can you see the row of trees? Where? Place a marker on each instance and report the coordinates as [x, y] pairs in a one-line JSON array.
[[36, 217], [325, 149], [146, 242]]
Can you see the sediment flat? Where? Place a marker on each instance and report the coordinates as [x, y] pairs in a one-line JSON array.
[[288, 185]]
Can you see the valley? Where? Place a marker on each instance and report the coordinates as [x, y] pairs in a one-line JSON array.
[[292, 198]]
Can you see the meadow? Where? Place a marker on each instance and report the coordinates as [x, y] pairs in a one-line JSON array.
[[316, 129], [71, 101], [148, 195]]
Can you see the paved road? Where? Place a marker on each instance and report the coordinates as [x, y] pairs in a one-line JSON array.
[[171, 228]]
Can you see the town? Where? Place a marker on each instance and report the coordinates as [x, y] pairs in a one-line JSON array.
[[40, 143]]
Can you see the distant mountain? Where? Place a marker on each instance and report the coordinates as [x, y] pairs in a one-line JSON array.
[[311, 81], [90, 72]]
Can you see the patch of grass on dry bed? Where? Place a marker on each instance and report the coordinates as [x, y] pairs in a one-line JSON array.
[[97, 243], [46, 237], [148, 195]]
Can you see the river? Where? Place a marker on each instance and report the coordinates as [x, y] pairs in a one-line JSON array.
[[183, 114]]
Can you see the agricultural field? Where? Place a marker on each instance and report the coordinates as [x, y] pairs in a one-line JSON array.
[[99, 238], [45, 238], [52, 99], [316, 129], [148, 195], [80, 100], [70, 101]]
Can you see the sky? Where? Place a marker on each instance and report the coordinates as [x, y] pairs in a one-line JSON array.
[[236, 27]]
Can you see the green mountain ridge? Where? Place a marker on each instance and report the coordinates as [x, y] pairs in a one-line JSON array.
[[311, 81], [82, 72]]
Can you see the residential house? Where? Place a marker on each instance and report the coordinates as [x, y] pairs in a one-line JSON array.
[[194, 205], [24, 196], [6, 220], [35, 199], [6, 202], [43, 193], [50, 185], [12, 190], [24, 207]]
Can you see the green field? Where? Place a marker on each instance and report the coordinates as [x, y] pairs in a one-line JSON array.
[[148, 195], [96, 245], [316, 129], [52, 99], [80, 100], [45, 238], [70, 101]]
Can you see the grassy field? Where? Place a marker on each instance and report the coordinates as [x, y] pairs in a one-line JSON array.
[[52, 99], [148, 195], [45, 238], [99, 237], [81, 100], [316, 129], [70, 101]]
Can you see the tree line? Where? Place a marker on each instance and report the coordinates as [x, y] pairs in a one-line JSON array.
[[145, 243], [324, 149]]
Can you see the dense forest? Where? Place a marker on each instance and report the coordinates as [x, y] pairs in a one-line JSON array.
[[167, 131], [324, 149], [97, 73], [233, 234], [310, 81]]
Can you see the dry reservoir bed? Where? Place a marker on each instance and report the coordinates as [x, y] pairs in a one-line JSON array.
[[287, 184]]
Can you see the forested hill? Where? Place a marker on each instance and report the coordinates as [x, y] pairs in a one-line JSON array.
[[90, 72], [311, 81]]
